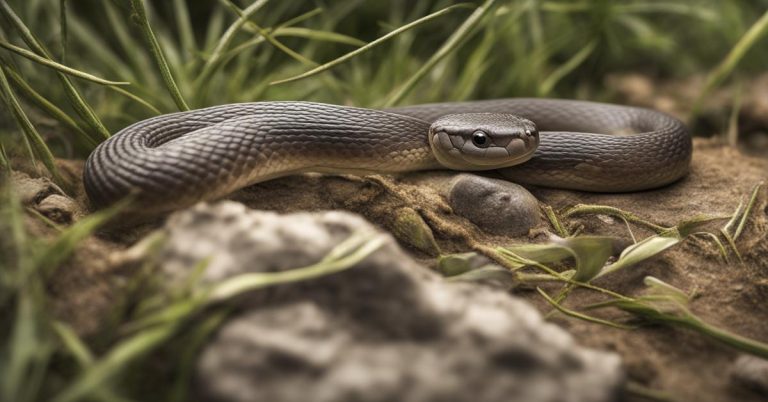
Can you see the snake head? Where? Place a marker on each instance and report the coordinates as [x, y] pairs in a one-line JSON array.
[[482, 141]]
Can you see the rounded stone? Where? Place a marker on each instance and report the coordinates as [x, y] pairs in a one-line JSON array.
[[495, 206], [387, 329]]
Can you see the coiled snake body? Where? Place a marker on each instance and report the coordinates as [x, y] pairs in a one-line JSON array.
[[171, 161]]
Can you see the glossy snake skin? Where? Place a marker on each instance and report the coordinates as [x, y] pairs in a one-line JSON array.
[[174, 160]]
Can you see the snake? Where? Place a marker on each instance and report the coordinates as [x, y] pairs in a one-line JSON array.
[[174, 160]]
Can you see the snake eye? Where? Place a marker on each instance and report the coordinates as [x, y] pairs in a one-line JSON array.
[[530, 133], [480, 139]]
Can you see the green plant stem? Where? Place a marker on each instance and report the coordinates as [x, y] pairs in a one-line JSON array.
[[30, 133], [736, 341], [158, 55], [47, 106], [571, 313], [555, 221], [747, 210], [586, 209], [57, 66]]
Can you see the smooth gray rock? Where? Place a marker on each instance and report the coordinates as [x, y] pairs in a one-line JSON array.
[[496, 206], [751, 371], [385, 330]]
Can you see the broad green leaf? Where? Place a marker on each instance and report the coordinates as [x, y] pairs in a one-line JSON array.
[[455, 264], [543, 253], [689, 226], [590, 252], [658, 287], [641, 251]]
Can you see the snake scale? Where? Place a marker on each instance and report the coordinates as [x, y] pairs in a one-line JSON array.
[[174, 160]]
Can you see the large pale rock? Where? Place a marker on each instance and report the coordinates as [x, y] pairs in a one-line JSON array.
[[385, 330]]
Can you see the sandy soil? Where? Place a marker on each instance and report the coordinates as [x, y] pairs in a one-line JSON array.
[[686, 365]]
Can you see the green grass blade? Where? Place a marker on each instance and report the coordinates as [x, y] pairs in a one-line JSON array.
[[215, 28], [290, 32], [120, 356], [97, 48], [370, 45], [187, 359], [566, 68], [4, 163], [590, 253], [726, 67], [48, 106], [314, 34], [186, 34], [122, 37], [157, 54], [267, 35], [454, 41], [363, 246], [731, 243], [691, 9], [57, 66], [63, 30], [576, 314], [588, 209], [73, 344], [226, 39], [28, 352], [641, 251], [301, 18], [745, 215], [136, 99], [30, 133], [735, 217], [83, 108], [713, 237]]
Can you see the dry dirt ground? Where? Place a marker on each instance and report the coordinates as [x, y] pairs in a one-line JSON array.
[[686, 365]]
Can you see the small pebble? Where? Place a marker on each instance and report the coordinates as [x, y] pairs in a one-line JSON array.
[[496, 206]]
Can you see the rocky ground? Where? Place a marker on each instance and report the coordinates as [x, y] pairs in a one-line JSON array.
[[392, 329]]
